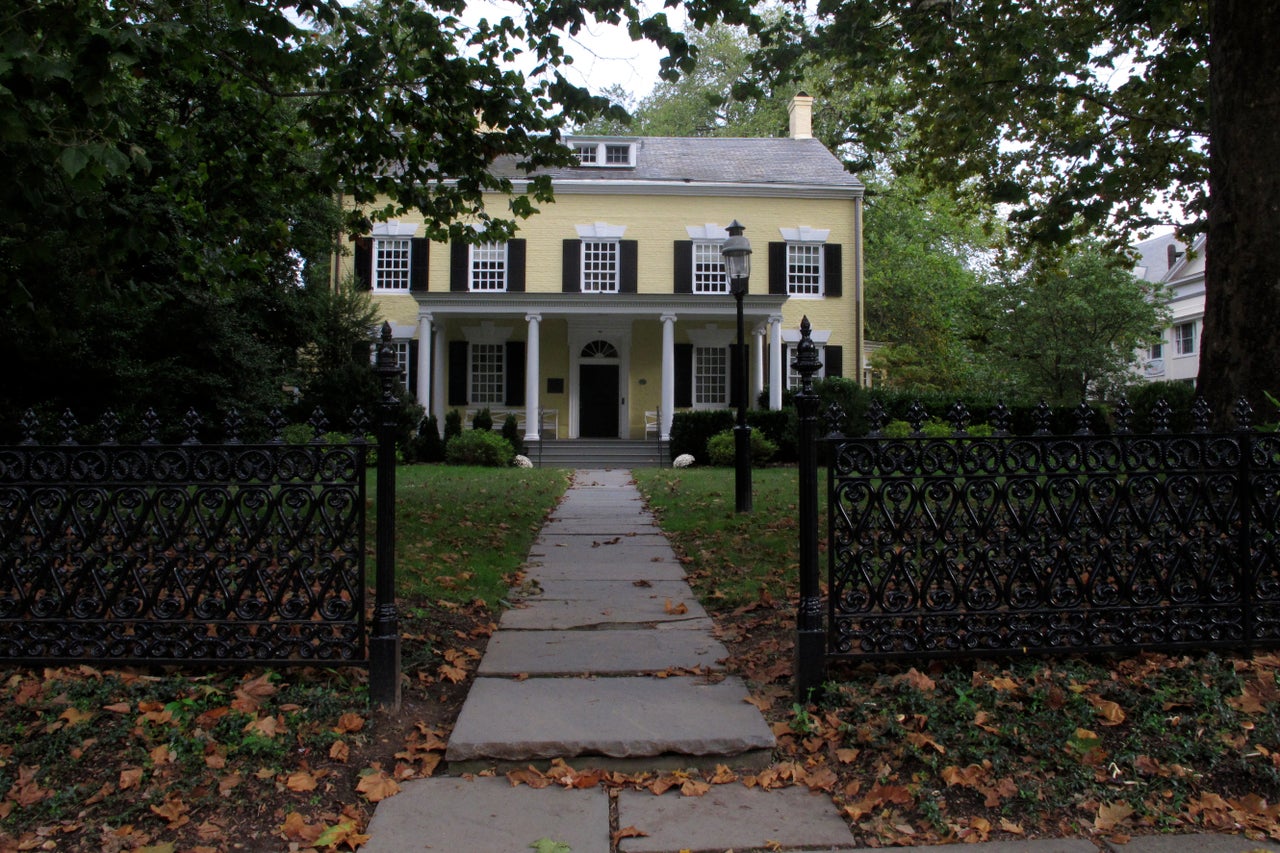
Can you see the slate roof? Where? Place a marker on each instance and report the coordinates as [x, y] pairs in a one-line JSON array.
[[717, 160]]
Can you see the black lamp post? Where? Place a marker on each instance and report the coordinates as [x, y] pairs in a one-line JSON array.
[[737, 266]]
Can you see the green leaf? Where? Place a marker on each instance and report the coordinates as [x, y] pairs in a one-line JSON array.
[[546, 845]]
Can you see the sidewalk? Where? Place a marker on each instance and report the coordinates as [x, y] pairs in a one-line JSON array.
[[595, 668]]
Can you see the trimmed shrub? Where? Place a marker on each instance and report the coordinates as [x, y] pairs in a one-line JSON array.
[[511, 432], [721, 448], [430, 446], [452, 425], [479, 447], [690, 431], [483, 420]]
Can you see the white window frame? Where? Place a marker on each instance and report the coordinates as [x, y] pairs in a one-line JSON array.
[[392, 264], [802, 279], [709, 276], [1156, 351], [710, 391], [487, 373], [605, 153], [1184, 344], [793, 378], [601, 265], [487, 268]]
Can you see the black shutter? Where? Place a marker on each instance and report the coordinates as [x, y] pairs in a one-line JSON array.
[[459, 266], [419, 257], [412, 368], [364, 263], [458, 351], [833, 361], [778, 269], [735, 373], [832, 270], [628, 266], [571, 272], [515, 265], [684, 376], [515, 373], [684, 266]]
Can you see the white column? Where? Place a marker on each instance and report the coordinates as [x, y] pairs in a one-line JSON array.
[[757, 364], [423, 391], [668, 376], [532, 380], [440, 380], [775, 362]]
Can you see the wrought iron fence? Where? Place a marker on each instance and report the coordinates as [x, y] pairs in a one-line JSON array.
[[984, 545], [147, 545], [176, 552]]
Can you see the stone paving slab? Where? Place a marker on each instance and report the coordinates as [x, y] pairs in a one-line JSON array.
[[605, 567], [603, 652], [548, 544], [592, 589], [543, 614], [1194, 843], [731, 817], [604, 527], [487, 815], [624, 717]]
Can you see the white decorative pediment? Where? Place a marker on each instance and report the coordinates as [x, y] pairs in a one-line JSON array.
[[710, 231], [395, 228], [601, 231], [805, 234]]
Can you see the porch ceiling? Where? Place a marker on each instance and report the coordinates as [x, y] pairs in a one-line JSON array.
[[646, 306]]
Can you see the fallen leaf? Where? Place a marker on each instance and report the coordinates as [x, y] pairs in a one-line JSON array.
[[301, 781], [676, 609], [377, 786], [628, 832], [1110, 815]]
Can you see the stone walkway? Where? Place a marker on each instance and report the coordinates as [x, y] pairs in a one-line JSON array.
[[605, 663]]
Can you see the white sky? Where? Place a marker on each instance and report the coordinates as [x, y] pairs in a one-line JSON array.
[[603, 55]]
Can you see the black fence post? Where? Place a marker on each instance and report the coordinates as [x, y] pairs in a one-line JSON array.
[[384, 642], [810, 666]]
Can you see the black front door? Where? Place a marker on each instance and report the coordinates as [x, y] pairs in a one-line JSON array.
[[598, 393]]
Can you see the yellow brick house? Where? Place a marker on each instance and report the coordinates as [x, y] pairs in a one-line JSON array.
[[611, 310]]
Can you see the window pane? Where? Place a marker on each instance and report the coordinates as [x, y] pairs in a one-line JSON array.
[[617, 155], [710, 376], [586, 153], [391, 264], [488, 373], [793, 376], [599, 266], [708, 268], [804, 269], [1184, 336], [489, 266]]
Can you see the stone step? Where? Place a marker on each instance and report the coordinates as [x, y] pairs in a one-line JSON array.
[[599, 453], [619, 717]]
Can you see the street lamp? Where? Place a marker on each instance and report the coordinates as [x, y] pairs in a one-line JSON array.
[[737, 266]]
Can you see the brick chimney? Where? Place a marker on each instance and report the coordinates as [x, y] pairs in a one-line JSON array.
[[801, 112]]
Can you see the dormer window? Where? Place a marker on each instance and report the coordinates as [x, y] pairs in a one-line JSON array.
[[609, 154]]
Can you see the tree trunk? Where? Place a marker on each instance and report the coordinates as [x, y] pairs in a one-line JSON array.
[[1240, 356]]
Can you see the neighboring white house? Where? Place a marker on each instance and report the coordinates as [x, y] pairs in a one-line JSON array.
[[1165, 260]]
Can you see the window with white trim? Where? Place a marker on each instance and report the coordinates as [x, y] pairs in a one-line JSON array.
[[489, 267], [1156, 351], [599, 266], [391, 258], [708, 267], [804, 269], [609, 154], [1184, 338], [710, 377], [488, 373]]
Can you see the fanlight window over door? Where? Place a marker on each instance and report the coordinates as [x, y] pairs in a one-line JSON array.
[[599, 349]]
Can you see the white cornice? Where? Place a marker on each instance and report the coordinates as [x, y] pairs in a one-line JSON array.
[[639, 306]]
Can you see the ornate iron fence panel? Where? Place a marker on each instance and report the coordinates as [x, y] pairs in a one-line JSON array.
[[183, 552], [1008, 544]]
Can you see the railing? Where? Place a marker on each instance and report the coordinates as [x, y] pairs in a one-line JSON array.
[[1048, 544], [197, 552]]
